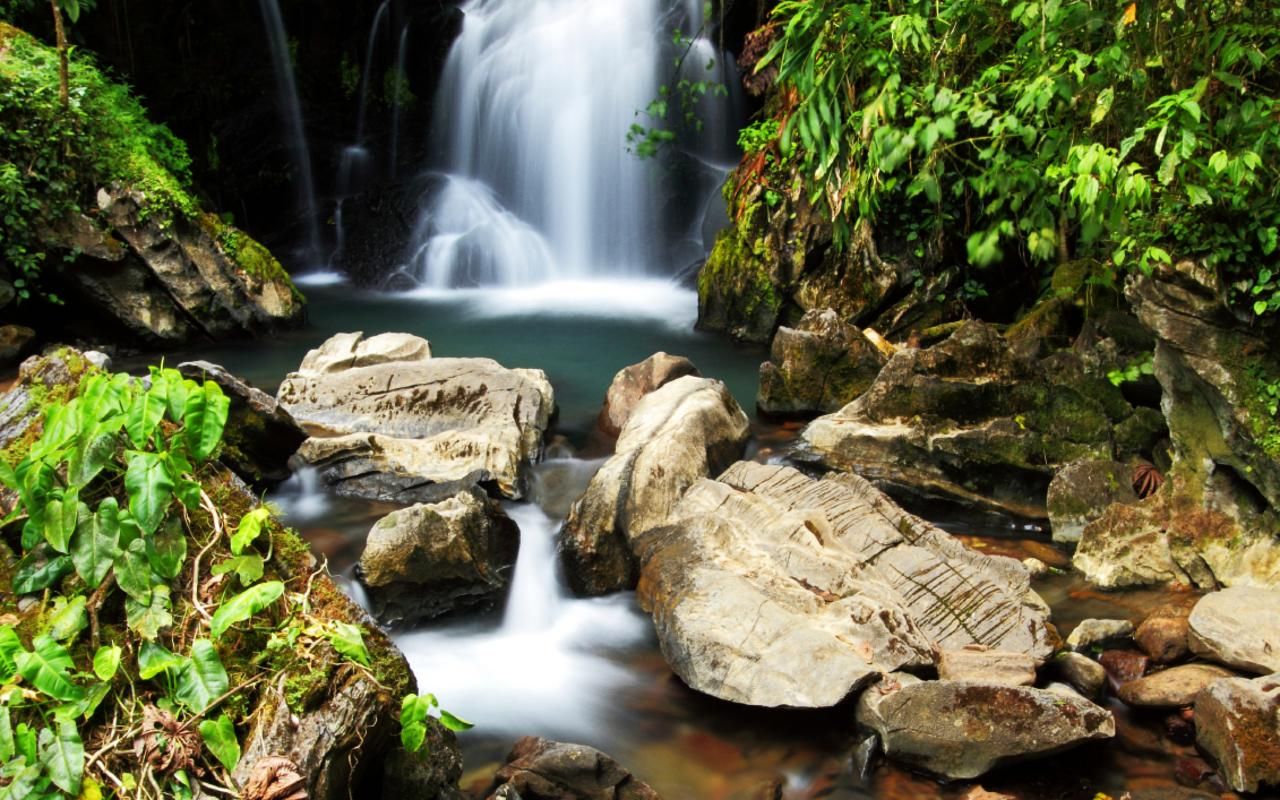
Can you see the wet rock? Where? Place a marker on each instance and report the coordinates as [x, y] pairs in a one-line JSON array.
[[1082, 672], [1097, 632], [540, 769], [1238, 726], [1176, 686], [50, 376], [634, 382], [684, 431], [819, 366], [260, 434], [428, 560], [15, 340], [1123, 666], [1036, 567], [1239, 627], [978, 665], [963, 730], [391, 409], [430, 773], [1163, 634], [770, 588], [1081, 491], [98, 359]]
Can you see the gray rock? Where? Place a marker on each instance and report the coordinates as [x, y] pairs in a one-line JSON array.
[[540, 769], [99, 359], [684, 431], [1081, 491], [430, 773], [819, 366], [1176, 686], [1238, 726], [1239, 627], [1097, 632], [634, 382], [15, 340], [963, 730], [769, 588], [427, 560], [979, 665], [1082, 672]]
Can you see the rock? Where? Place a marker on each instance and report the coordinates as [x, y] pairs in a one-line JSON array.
[[1081, 491], [14, 341], [1239, 627], [97, 358], [970, 421], [634, 382], [7, 293], [1238, 726], [540, 769], [1082, 672], [684, 431], [1123, 666], [1036, 567], [1163, 634], [427, 774], [769, 588], [1176, 686], [978, 793], [819, 366], [1096, 632], [963, 730], [43, 379], [977, 665], [260, 435], [427, 560], [398, 419]]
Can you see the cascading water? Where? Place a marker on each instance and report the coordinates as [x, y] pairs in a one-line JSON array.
[[397, 101]]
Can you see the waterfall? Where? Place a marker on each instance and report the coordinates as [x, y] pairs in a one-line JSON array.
[[397, 101], [291, 112]]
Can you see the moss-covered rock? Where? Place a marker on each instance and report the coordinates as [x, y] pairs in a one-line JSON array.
[[819, 366]]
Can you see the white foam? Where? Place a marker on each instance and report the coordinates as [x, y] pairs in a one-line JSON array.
[[320, 278]]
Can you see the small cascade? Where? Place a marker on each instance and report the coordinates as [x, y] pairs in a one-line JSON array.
[[397, 102], [302, 498], [535, 594], [291, 114]]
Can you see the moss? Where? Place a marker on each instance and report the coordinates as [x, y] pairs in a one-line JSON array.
[[736, 288]]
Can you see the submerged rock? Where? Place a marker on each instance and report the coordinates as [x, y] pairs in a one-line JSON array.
[[1081, 492], [818, 366], [1239, 627], [540, 769], [769, 588], [963, 730], [632, 383], [427, 560], [684, 431], [1238, 726], [399, 420]]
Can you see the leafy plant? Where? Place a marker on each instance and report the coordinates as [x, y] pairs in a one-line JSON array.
[[415, 709]]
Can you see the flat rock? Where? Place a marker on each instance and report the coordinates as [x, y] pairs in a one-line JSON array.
[[1095, 632], [680, 433], [770, 588], [1238, 726], [978, 665], [963, 730], [1239, 627], [634, 382], [540, 769], [1176, 686]]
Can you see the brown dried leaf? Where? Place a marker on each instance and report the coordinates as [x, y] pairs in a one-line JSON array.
[[165, 744], [274, 778]]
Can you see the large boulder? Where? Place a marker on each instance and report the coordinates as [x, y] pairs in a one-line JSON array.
[[770, 588], [260, 435], [962, 730], [391, 410], [634, 382], [678, 434], [427, 560], [1238, 726], [540, 769], [1082, 491], [817, 367], [972, 421], [1239, 627]]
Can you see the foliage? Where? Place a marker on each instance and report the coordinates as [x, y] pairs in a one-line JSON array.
[[1133, 371], [1028, 131], [415, 709]]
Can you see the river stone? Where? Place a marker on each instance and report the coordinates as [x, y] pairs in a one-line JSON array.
[[819, 366], [260, 434], [1096, 632], [634, 382], [1081, 491], [1163, 634], [979, 665], [1086, 675], [395, 409], [686, 430], [540, 769], [1238, 726], [1176, 686], [963, 730], [427, 560], [770, 588], [1239, 627]]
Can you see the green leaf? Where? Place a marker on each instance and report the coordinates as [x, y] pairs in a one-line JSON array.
[[61, 518], [133, 571], [37, 572], [248, 568], [150, 489], [63, 756], [167, 549], [107, 661], [347, 639], [155, 659], [203, 418], [93, 451], [202, 678], [96, 545], [148, 619], [454, 723], [244, 605], [69, 618], [1102, 106], [7, 746], [220, 737], [47, 667], [413, 717], [249, 528], [10, 647], [144, 415]]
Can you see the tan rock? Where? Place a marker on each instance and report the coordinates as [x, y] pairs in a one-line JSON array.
[[634, 382], [978, 665], [1176, 686]]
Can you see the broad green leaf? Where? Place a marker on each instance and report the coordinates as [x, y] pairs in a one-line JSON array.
[[454, 723], [10, 647], [148, 619], [249, 528], [248, 568], [24, 741], [61, 518], [107, 661], [24, 783], [150, 489], [144, 415], [155, 659], [347, 639], [203, 419], [220, 737], [7, 747], [37, 572], [96, 545], [93, 451], [85, 708], [133, 571], [245, 605], [47, 668], [414, 710], [68, 619], [202, 678], [63, 756], [167, 549]]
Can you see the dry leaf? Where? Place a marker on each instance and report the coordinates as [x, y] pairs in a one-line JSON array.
[[274, 778], [1130, 14], [164, 743]]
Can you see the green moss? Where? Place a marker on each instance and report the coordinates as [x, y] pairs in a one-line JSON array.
[[246, 252]]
